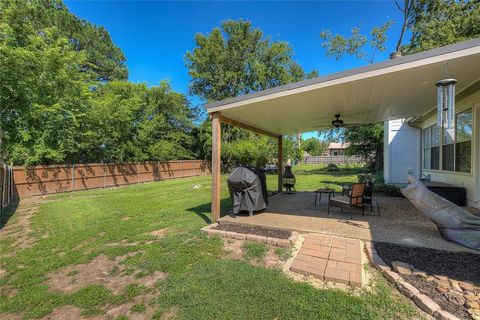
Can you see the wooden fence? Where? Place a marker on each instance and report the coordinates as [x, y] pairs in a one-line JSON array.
[[41, 180], [6, 185], [333, 159]]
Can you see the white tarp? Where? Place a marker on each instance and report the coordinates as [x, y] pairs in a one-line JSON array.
[[454, 223]]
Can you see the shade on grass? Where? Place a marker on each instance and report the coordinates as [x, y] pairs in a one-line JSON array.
[[202, 283]]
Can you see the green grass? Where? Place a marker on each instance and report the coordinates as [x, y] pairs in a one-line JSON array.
[[202, 283], [138, 308], [283, 253], [254, 250], [312, 177]]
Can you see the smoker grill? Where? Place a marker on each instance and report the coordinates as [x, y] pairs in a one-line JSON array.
[[248, 190], [288, 179]]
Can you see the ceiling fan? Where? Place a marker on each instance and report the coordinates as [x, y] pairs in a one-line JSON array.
[[337, 123]]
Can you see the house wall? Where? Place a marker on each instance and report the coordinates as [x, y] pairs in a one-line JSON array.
[[337, 152], [471, 181], [402, 147]]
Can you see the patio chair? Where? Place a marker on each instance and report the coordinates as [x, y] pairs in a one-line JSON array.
[[350, 202], [368, 196]]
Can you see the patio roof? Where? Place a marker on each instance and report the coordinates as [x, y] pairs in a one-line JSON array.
[[393, 89]]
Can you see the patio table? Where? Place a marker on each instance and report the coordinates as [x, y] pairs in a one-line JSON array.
[[319, 192]]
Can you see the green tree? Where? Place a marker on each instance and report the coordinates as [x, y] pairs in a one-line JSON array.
[[357, 44], [103, 60], [436, 23], [233, 60], [63, 97], [138, 123], [44, 98], [366, 141], [314, 146]]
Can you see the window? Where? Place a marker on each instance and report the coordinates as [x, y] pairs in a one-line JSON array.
[[448, 152], [463, 141], [456, 143], [431, 148]]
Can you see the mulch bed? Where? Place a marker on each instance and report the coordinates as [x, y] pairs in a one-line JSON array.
[[259, 231], [428, 288], [460, 266]]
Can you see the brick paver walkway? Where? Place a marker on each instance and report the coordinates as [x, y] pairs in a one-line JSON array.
[[330, 258]]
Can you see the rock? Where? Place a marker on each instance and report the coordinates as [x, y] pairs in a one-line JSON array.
[[471, 297], [197, 186], [455, 297], [420, 274], [444, 315], [440, 277], [454, 285], [402, 267], [392, 276], [407, 289], [442, 283], [475, 314], [426, 304], [472, 305], [468, 286], [442, 289]]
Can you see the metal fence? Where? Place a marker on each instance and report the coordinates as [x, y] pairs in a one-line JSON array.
[[42, 180], [333, 159], [6, 185]]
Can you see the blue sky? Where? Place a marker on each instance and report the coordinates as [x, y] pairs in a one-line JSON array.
[[155, 35]]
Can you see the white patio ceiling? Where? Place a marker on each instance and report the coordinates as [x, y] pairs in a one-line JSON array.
[[399, 88]]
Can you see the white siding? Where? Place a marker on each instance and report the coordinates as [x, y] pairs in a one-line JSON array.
[[401, 152]]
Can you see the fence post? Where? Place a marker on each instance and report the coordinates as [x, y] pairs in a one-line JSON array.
[[104, 175], [2, 183], [138, 173], [73, 177]]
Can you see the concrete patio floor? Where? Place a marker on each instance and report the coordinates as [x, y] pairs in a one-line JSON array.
[[399, 221]]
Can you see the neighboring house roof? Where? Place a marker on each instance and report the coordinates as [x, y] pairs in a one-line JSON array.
[[338, 145], [400, 88]]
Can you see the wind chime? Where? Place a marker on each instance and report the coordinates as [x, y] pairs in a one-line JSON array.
[[446, 102]]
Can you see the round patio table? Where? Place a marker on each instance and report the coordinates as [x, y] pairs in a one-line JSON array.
[[319, 192]]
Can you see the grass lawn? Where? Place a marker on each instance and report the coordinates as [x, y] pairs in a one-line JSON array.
[[201, 282]]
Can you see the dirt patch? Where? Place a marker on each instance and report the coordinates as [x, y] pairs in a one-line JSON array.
[[157, 233], [19, 227], [461, 266], [8, 291], [124, 309], [235, 251], [101, 270], [64, 313], [259, 231], [10, 316]]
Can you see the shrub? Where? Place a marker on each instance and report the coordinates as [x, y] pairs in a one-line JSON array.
[[387, 190]]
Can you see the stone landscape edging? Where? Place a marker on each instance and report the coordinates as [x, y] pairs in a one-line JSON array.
[[422, 301], [284, 243]]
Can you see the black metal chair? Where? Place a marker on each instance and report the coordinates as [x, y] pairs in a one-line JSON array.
[[368, 196]]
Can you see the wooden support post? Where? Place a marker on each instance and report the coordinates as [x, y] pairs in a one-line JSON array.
[[280, 163], [216, 152]]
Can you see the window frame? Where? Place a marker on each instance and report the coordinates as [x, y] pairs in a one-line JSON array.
[[442, 145]]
